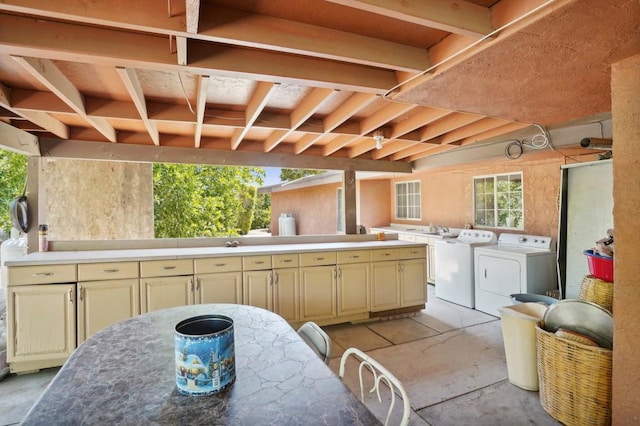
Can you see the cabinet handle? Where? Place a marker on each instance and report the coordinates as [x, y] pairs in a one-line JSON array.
[[354, 257], [277, 278], [258, 262], [286, 260], [43, 274], [219, 265], [414, 252], [339, 272], [485, 273], [70, 295], [319, 258], [386, 254], [191, 284], [198, 284], [168, 268], [110, 271], [80, 290]]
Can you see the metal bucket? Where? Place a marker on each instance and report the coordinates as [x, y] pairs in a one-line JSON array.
[[205, 354]]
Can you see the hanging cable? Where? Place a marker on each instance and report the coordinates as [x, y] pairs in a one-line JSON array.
[[513, 150]]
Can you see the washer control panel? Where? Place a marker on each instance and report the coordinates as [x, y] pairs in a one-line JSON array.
[[476, 236]]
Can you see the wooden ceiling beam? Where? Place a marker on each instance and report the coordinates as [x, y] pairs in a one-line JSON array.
[[436, 150], [19, 141], [363, 145], [178, 154], [385, 114], [220, 25], [263, 32], [46, 72], [255, 106], [39, 118], [131, 82], [415, 149], [299, 115], [424, 116], [337, 143], [192, 15], [70, 42], [394, 146], [498, 131], [201, 104], [474, 128], [447, 124], [454, 16]]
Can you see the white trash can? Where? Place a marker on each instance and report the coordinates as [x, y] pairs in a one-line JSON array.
[[519, 334]]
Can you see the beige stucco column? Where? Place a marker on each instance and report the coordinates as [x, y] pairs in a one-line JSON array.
[[625, 94]]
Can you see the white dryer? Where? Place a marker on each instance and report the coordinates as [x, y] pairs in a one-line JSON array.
[[454, 265], [517, 264]]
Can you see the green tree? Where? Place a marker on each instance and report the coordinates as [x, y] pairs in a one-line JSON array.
[[245, 217], [287, 175], [262, 213], [13, 174], [199, 200]]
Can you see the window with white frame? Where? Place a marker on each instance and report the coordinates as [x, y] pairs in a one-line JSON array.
[[340, 210], [498, 201], [408, 200]]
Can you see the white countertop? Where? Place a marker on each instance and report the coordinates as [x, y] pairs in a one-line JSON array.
[[92, 256], [417, 230]]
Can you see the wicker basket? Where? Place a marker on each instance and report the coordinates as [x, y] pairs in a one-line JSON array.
[[597, 291], [574, 379]]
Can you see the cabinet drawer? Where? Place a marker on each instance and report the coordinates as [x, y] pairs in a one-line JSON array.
[[317, 259], [385, 254], [354, 256], [166, 268], [107, 271], [256, 263], [218, 264], [414, 252], [286, 260], [44, 274]]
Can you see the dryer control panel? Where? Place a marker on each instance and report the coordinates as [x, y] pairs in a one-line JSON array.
[[529, 241]]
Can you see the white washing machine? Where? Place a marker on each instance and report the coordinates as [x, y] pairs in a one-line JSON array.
[[517, 264], [454, 266]]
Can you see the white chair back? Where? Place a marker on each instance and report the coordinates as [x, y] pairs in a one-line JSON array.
[[380, 374], [317, 339]]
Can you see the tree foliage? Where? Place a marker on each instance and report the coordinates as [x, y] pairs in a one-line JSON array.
[[201, 201], [13, 174], [262, 213], [288, 175]]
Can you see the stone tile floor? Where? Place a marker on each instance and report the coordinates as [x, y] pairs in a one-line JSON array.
[[450, 360]]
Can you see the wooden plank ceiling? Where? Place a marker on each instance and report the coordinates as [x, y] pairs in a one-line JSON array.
[[314, 80]]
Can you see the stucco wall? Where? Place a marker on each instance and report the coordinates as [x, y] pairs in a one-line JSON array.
[[625, 86], [373, 195], [447, 194], [89, 200], [314, 209]]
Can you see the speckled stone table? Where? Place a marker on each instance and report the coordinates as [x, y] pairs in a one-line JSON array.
[[125, 375]]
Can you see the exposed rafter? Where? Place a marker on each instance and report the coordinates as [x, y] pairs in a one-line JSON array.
[[49, 75], [454, 16], [201, 104], [131, 82]]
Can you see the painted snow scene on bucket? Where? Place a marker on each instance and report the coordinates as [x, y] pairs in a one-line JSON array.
[[204, 365]]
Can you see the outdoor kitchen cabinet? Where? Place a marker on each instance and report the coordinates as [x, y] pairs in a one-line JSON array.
[[398, 278], [272, 283], [41, 316], [166, 284], [353, 282], [218, 280], [107, 293], [318, 293]]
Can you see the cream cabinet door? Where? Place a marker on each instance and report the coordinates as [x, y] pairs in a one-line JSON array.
[[414, 285], [354, 287], [385, 283], [41, 321], [286, 293], [102, 303], [318, 293], [258, 289], [165, 292], [224, 287]]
